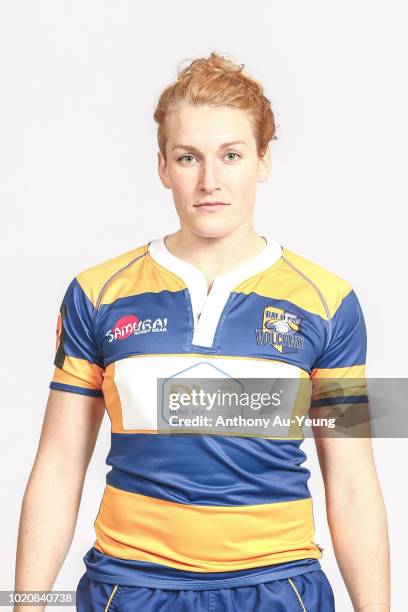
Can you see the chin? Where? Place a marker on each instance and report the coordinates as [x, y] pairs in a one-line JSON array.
[[211, 230]]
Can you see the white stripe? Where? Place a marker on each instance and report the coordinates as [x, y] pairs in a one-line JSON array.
[[135, 379]]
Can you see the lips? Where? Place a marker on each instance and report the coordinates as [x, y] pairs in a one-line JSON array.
[[211, 204], [211, 207]]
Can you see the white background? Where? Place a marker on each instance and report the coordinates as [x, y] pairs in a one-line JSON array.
[[79, 81]]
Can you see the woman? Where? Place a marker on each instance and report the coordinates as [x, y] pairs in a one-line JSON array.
[[203, 522]]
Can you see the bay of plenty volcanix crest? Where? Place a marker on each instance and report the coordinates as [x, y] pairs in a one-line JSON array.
[[203, 503]]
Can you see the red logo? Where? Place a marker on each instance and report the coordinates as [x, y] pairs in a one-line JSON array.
[[125, 327], [129, 325]]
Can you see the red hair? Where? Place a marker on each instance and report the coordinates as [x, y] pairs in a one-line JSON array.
[[217, 81]]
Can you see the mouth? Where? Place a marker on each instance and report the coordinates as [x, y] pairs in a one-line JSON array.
[[211, 206]]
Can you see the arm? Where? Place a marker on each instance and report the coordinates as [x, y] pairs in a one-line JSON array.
[[357, 519], [354, 503], [53, 493]]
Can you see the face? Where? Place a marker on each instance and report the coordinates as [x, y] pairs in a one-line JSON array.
[[212, 157]]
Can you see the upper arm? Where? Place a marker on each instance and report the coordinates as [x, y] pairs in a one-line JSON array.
[[70, 429]]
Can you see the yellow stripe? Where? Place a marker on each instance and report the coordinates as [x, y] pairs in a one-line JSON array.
[[356, 371], [93, 279], [305, 281], [224, 538], [110, 598], [141, 278], [138, 280], [298, 596]]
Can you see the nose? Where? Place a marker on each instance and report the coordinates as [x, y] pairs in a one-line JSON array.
[[208, 177]]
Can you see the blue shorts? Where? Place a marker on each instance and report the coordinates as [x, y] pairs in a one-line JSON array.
[[308, 592]]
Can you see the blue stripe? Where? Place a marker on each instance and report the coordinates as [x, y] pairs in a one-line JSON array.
[[208, 470], [352, 399], [128, 572], [72, 389], [236, 333]]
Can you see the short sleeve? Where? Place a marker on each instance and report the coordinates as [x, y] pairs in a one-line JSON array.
[[338, 375], [78, 362]]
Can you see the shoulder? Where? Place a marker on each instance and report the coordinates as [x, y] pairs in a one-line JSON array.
[[329, 287], [92, 280]]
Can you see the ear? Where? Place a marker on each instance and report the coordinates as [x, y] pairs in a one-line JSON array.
[[162, 169], [264, 165]]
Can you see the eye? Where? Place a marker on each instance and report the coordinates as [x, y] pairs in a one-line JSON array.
[[233, 153], [187, 155]]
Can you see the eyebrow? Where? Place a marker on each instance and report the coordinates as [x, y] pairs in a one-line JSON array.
[[226, 144]]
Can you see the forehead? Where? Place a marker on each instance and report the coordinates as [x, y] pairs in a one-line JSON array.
[[201, 125]]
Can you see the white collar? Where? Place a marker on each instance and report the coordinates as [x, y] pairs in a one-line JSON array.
[[207, 307], [266, 258]]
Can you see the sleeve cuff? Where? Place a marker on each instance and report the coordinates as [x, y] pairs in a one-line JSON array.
[[73, 389]]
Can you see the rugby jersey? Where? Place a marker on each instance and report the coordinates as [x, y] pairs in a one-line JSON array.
[[201, 506]]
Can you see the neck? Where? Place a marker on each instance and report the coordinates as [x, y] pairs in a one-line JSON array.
[[215, 256]]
